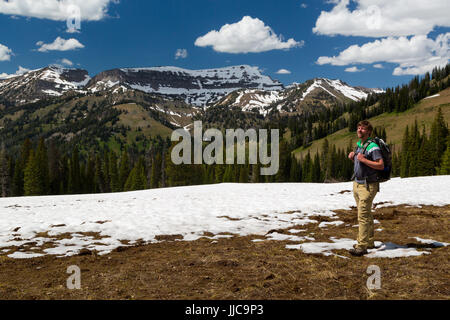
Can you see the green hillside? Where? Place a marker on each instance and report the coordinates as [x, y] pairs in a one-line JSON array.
[[394, 124]]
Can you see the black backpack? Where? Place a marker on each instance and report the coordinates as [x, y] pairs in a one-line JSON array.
[[382, 175]]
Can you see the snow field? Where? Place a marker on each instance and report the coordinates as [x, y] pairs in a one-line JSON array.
[[238, 209]]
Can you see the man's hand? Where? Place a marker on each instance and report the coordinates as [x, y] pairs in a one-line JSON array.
[[351, 156], [377, 165], [361, 158]]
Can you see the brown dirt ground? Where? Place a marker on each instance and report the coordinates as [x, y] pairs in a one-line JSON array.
[[237, 268]]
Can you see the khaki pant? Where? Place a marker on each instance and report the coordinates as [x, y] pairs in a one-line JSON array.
[[364, 196]]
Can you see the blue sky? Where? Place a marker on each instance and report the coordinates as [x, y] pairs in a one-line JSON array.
[[138, 33]]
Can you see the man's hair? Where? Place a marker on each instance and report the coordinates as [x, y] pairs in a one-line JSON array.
[[366, 124]]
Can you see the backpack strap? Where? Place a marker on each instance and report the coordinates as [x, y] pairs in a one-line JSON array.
[[367, 144]]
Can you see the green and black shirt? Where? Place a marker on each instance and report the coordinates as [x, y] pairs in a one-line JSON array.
[[364, 173]]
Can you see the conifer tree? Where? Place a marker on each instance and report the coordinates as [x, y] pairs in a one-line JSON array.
[[156, 171], [90, 175], [316, 172], [405, 158], [295, 174], [439, 133], [124, 169], [445, 163], [74, 185], [54, 168], [113, 172], [32, 183], [219, 173], [307, 168], [243, 174], [42, 160], [256, 170], [4, 173], [19, 168], [99, 177], [228, 175], [425, 165], [105, 170], [137, 180]]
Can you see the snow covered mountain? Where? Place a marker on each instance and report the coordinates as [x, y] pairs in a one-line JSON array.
[[196, 87], [314, 93], [41, 83], [236, 86]]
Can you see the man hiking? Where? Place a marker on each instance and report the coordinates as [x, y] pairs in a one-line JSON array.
[[368, 159]]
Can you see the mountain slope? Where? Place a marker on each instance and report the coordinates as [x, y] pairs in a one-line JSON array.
[[115, 118], [394, 123], [39, 84], [309, 96]]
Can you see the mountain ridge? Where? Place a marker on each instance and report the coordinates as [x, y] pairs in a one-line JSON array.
[[199, 88]]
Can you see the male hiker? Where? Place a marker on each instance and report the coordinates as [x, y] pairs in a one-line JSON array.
[[368, 159]]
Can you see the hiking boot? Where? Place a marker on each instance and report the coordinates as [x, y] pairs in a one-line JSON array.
[[358, 252]]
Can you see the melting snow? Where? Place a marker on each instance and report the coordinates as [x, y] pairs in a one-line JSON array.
[[191, 211]]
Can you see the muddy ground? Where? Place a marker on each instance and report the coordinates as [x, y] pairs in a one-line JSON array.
[[238, 268]]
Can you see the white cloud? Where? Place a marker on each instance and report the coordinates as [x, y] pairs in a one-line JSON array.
[[383, 18], [378, 66], [248, 35], [283, 71], [5, 53], [60, 44], [57, 10], [181, 54], [354, 69], [19, 72], [304, 5], [66, 62], [414, 55]]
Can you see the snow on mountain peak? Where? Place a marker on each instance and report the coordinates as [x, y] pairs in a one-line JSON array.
[[197, 87]]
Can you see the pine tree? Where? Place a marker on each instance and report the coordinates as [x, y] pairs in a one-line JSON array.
[[445, 162], [156, 171], [105, 170], [42, 159], [113, 172], [425, 157], [228, 175], [413, 150], [124, 169], [89, 183], [405, 156], [99, 177], [4, 173], [307, 168], [316, 172], [243, 174], [74, 185], [439, 133], [137, 180], [54, 168], [32, 183], [256, 170], [219, 172], [19, 169], [295, 174]]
